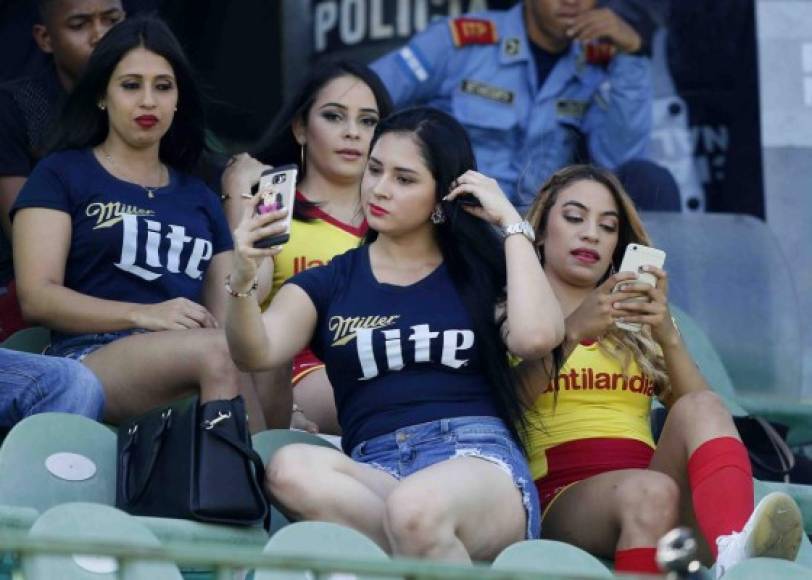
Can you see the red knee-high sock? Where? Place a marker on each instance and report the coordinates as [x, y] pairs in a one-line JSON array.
[[640, 560], [721, 487]]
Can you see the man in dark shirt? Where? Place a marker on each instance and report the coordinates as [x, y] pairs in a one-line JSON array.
[[68, 31]]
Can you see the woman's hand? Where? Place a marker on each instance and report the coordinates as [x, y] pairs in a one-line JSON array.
[[494, 208], [175, 314], [253, 227], [654, 311], [599, 311]]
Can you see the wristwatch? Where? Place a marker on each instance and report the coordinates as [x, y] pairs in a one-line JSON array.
[[523, 227]]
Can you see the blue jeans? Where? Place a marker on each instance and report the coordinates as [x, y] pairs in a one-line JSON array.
[[410, 449], [35, 383]]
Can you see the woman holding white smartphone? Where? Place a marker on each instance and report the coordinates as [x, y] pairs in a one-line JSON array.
[[604, 484]]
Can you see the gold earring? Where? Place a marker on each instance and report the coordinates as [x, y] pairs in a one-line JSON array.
[[302, 153]]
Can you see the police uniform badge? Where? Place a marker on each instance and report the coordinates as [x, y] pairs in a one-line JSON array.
[[512, 46], [570, 108], [487, 91], [469, 31]]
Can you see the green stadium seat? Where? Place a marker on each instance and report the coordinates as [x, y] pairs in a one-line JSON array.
[[170, 530], [728, 272], [319, 539], [708, 360], [805, 554], [552, 558], [33, 339], [765, 568], [54, 458], [33, 455], [266, 443], [93, 523]]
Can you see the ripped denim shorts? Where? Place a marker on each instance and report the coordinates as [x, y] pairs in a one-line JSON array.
[[79, 346], [410, 449]]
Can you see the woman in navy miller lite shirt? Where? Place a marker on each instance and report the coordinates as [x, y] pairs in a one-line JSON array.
[[119, 251]]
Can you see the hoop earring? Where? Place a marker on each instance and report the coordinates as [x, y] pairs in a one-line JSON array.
[[437, 215], [302, 153]]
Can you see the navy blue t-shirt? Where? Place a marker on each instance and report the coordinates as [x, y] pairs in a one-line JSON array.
[[125, 245], [395, 355]]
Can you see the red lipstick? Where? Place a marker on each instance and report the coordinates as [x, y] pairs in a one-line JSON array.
[[377, 211], [586, 255], [146, 121]]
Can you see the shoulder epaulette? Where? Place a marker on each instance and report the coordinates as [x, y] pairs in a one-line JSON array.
[[468, 31]]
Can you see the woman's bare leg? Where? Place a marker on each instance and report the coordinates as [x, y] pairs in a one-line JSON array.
[[441, 511], [616, 510], [142, 371], [694, 419], [316, 483]]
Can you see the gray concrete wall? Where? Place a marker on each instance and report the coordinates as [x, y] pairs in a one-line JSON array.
[[785, 78]]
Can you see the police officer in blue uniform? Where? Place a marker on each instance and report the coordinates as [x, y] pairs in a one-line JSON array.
[[534, 86]]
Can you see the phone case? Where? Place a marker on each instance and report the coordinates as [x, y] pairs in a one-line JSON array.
[[277, 189], [635, 257]]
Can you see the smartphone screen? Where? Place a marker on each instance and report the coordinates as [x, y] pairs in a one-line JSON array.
[[635, 257], [277, 190]]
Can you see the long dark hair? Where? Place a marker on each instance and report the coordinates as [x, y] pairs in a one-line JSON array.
[[278, 145], [472, 251], [82, 124]]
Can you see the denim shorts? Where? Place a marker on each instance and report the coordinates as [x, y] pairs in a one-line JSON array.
[[410, 449], [78, 347]]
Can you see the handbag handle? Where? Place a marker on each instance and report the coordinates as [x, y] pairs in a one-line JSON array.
[[248, 453], [242, 448], [785, 455], [126, 453]]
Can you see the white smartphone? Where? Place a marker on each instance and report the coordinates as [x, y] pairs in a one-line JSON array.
[[277, 190], [635, 257]]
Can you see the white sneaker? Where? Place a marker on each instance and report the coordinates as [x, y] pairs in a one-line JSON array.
[[773, 530]]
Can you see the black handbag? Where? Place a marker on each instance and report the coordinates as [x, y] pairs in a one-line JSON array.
[[770, 456], [191, 461]]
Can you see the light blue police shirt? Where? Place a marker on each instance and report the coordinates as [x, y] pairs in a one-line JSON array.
[[522, 133]]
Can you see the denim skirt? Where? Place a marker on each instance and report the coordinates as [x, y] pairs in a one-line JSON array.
[[79, 346]]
